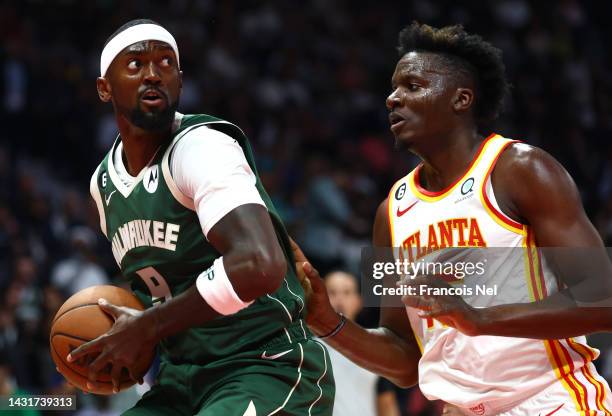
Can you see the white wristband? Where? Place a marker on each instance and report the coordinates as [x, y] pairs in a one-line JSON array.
[[217, 290]]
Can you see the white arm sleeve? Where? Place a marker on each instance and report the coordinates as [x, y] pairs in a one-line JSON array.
[[210, 168]]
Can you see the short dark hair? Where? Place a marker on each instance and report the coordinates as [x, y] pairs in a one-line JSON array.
[[130, 24], [467, 53]]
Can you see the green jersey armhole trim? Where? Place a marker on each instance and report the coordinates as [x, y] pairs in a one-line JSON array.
[[95, 194]]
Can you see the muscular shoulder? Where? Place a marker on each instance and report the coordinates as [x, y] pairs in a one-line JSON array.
[[527, 162], [526, 177]]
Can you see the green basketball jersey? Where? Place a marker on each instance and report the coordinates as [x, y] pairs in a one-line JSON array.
[[159, 245]]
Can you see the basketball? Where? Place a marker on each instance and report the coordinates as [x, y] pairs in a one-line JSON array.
[[80, 320]]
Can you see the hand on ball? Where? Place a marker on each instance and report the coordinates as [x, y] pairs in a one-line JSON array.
[[132, 334]]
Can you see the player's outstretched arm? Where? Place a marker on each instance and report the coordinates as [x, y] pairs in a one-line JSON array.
[[390, 350], [532, 187]]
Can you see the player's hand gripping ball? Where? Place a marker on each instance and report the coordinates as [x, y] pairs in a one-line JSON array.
[[82, 319]]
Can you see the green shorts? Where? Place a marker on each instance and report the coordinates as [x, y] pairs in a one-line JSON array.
[[285, 378]]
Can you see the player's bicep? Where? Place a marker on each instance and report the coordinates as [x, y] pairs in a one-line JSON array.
[[545, 195], [247, 225], [550, 202]]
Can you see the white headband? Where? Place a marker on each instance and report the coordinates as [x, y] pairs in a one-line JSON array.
[[131, 35]]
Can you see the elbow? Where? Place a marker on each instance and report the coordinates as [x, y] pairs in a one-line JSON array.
[[404, 381], [268, 268]]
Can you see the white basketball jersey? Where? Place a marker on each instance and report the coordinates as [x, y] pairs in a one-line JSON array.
[[486, 374]]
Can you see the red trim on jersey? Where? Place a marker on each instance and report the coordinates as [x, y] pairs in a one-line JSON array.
[[542, 281], [599, 387], [532, 272], [557, 359], [503, 217], [573, 376], [389, 221], [438, 193], [540, 274]]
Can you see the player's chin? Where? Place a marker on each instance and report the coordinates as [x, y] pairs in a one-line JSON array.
[[155, 107], [402, 142]]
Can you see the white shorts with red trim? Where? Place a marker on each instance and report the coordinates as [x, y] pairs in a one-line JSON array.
[[555, 400]]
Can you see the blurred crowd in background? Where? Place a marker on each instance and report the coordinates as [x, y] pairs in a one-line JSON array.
[[306, 81]]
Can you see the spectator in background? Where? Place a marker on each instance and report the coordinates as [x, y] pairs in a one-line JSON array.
[[331, 224], [356, 388], [8, 387], [79, 270]]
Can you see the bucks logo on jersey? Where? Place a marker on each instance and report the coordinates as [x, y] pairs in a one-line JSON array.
[[157, 241]]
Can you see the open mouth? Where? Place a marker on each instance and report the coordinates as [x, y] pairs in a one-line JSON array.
[[395, 118], [152, 97]]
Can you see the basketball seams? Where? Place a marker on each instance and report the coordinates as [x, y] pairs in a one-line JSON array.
[[71, 309], [74, 323]]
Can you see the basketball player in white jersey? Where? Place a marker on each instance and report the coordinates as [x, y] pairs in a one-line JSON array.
[[525, 358]]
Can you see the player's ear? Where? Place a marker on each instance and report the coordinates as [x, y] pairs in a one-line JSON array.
[[181, 80], [463, 99], [104, 89]]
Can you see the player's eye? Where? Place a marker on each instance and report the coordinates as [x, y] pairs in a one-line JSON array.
[[134, 64], [167, 61], [413, 87]]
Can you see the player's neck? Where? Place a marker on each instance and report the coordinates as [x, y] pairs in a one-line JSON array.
[[450, 158], [139, 146]]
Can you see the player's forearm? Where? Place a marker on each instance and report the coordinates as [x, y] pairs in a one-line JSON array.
[[553, 318], [249, 274], [380, 351], [179, 314]]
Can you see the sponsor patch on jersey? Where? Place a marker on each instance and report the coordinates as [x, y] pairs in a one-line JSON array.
[[151, 179], [466, 187], [400, 192]]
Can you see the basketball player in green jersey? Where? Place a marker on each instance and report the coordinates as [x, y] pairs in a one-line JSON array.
[[196, 234]]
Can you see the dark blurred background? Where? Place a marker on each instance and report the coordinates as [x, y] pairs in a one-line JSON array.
[[306, 80]]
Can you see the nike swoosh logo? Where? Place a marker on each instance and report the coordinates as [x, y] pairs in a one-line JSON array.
[[108, 198], [275, 356], [400, 213]]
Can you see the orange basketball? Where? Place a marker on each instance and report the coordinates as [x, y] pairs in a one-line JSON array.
[[79, 320]]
